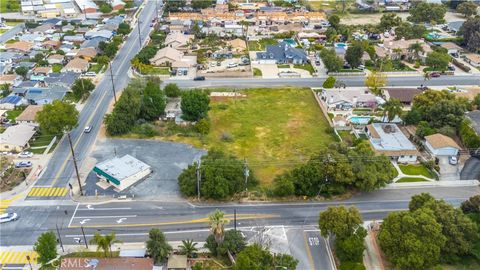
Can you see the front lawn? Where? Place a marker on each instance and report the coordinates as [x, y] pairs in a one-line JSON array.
[[260, 45], [416, 170], [410, 180], [306, 67], [42, 140], [273, 130], [283, 66], [13, 114], [57, 67], [159, 71], [95, 68]]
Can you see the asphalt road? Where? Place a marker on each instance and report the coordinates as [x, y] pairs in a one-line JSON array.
[[317, 82], [60, 167], [11, 33], [132, 220]]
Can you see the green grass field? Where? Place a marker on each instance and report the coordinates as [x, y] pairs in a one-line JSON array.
[[12, 115], [95, 68], [416, 170], [274, 129], [306, 67], [260, 45], [410, 180], [9, 6]]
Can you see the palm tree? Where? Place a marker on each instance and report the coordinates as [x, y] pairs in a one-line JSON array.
[[217, 222], [104, 242], [188, 247], [416, 48], [392, 108], [157, 246]]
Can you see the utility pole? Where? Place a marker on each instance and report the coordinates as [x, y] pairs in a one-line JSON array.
[[199, 178], [139, 34], [59, 238], [113, 85], [75, 163], [84, 238], [235, 219], [29, 263], [85, 12], [246, 173], [156, 8]]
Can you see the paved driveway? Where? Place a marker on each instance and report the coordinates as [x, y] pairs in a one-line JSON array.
[[471, 170], [167, 160], [448, 172]]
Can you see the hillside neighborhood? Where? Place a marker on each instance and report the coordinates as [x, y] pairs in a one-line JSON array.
[[231, 134]]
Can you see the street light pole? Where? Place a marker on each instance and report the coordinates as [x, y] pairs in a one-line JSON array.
[[113, 85], [75, 163], [84, 238], [59, 238], [199, 176]]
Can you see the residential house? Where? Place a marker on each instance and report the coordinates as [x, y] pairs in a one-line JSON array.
[[36, 39], [93, 43], [344, 99], [68, 27], [400, 49], [10, 79], [87, 53], [473, 59], [9, 57], [51, 44], [178, 40], [28, 116], [117, 4], [454, 26], [86, 6], [238, 45], [46, 28], [65, 79], [55, 59], [15, 138], [76, 39], [452, 48], [441, 145], [107, 34], [233, 28], [282, 53], [41, 71], [387, 139], [42, 95], [30, 83], [19, 46], [11, 102], [405, 95], [474, 117], [77, 65], [166, 56]]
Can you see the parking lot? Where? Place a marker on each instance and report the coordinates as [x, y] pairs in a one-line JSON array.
[[167, 160]]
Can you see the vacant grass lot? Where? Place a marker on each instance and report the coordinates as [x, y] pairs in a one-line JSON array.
[[9, 6], [260, 45], [416, 170], [274, 129]]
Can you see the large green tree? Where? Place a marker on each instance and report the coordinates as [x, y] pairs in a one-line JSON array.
[[57, 117], [104, 242], [153, 101], [81, 88], [354, 55], [194, 105], [471, 33], [199, 4], [255, 257], [125, 113], [46, 247], [334, 21], [22, 71], [388, 21], [422, 12], [124, 29], [217, 222], [332, 62], [391, 108], [460, 231], [172, 90], [233, 242], [339, 221], [411, 240], [188, 247], [472, 205], [438, 60], [157, 245], [467, 8]]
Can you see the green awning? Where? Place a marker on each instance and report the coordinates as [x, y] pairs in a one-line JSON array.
[[106, 175]]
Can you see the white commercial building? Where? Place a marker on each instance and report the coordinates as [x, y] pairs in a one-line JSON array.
[[122, 172]]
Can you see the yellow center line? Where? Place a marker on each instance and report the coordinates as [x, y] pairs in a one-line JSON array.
[[200, 220], [309, 253]]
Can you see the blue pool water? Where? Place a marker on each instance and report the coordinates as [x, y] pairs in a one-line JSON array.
[[359, 120], [434, 35], [290, 41], [340, 45]]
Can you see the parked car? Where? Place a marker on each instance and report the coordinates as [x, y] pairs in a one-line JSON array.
[[213, 64], [386, 35], [199, 78], [185, 72], [174, 72], [25, 154], [87, 129], [8, 217], [453, 160], [90, 74], [23, 164], [435, 74], [451, 68], [361, 67], [219, 63], [232, 65]]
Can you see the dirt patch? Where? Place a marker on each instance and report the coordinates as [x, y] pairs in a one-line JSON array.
[[11, 176]]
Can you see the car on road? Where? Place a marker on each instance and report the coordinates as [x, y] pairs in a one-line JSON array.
[[87, 129], [23, 164], [199, 78], [453, 160], [25, 154], [8, 217], [435, 74]]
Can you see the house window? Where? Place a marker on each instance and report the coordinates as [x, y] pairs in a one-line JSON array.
[[411, 156], [402, 156]]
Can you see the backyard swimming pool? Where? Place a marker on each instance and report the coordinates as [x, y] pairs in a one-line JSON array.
[[340, 45], [360, 120], [435, 35], [290, 41]]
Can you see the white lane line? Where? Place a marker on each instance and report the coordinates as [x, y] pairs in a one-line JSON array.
[[330, 255], [74, 212], [124, 216]]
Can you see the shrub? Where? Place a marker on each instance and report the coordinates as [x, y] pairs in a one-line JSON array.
[[352, 266], [226, 137], [329, 82], [172, 90], [203, 126], [146, 130], [460, 65]]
